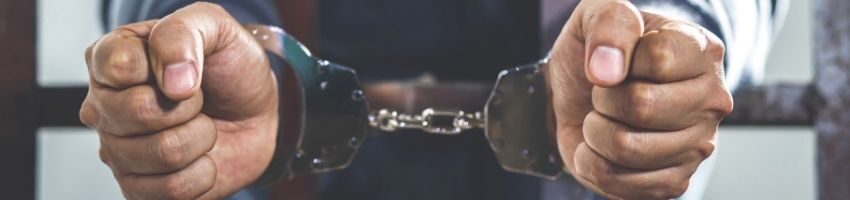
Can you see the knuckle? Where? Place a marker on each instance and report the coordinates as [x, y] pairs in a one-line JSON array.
[[727, 104], [641, 104], [705, 150], [170, 151], [103, 154], [143, 109], [706, 41], [176, 187], [104, 46], [720, 106], [89, 49], [604, 177], [715, 48], [88, 54], [117, 60], [87, 114], [678, 190], [670, 190], [716, 51], [124, 64], [624, 146], [662, 55]]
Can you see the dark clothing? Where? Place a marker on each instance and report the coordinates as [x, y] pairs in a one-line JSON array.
[[468, 39], [454, 40]]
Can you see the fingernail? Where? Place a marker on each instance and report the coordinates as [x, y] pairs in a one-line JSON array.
[[179, 77], [606, 64]]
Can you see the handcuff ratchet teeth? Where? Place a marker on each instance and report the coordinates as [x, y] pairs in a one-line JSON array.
[[324, 115]]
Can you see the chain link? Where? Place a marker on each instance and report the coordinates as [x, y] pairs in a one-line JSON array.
[[428, 121]]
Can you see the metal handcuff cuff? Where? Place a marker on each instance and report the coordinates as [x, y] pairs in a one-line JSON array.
[[328, 116]]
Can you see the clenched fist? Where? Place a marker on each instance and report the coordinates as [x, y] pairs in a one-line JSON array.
[[637, 99], [185, 106]]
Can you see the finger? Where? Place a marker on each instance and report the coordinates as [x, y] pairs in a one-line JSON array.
[[179, 43], [643, 149], [610, 29], [88, 54], [626, 183], [119, 59], [139, 110], [88, 114], [670, 106], [189, 183], [162, 152], [568, 139], [110, 76], [674, 52]]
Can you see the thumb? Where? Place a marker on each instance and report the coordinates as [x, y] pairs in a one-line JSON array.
[[177, 45], [203, 40], [610, 30]]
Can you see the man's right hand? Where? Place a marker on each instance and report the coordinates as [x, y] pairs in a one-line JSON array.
[[185, 106]]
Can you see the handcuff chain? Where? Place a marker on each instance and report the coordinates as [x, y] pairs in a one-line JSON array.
[[391, 121]]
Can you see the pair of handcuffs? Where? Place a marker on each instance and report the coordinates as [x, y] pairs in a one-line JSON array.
[[332, 115]]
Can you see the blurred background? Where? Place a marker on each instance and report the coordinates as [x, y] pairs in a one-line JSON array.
[[753, 162]]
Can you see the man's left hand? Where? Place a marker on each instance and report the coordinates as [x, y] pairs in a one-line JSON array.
[[637, 99]]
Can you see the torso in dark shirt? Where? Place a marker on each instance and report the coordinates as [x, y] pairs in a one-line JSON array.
[[453, 39]]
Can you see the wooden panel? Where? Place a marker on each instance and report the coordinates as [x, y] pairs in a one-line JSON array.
[[777, 104], [832, 57], [17, 89], [59, 106]]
